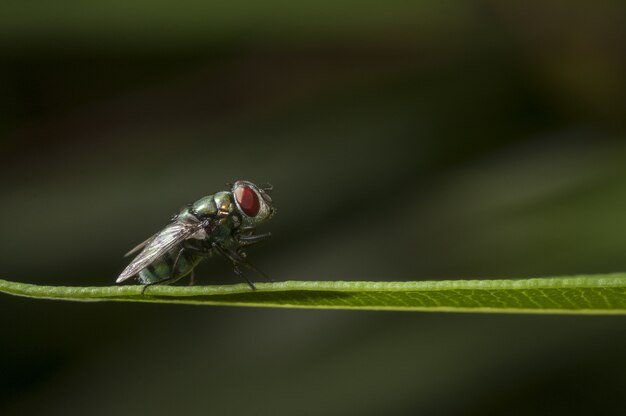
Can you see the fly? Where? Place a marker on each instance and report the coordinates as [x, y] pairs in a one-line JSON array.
[[222, 223]]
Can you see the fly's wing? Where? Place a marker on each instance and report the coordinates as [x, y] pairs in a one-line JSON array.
[[159, 244], [139, 246]]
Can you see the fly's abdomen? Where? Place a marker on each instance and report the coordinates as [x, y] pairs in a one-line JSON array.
[[161, 269]]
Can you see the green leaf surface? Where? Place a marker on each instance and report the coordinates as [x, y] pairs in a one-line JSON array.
[[596, 294]]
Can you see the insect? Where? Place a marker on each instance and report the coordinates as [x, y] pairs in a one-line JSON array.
[[222, 223]]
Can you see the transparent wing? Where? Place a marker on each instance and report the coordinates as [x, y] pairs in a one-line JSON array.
[[139, 246], [159, 244]]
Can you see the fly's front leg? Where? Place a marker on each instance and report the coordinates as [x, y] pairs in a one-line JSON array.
[[248, 240], [245, 241], [237, 260], [247, 229], [239, 273]]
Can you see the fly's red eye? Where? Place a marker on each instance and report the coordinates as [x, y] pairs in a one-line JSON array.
[[248, 201]]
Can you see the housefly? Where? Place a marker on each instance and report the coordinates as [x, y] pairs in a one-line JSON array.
[[222, 223]]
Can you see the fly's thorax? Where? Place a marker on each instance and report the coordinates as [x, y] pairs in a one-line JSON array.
[[186, 215], [205, 207], [220, 210], [216, 205]]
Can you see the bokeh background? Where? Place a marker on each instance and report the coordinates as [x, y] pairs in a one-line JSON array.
[[405, 140]]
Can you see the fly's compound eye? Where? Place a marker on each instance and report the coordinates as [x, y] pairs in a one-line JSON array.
[[247, 200]]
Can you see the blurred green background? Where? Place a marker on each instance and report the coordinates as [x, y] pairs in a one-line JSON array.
[[405, 140]]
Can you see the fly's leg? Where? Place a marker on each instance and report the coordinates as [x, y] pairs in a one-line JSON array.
[[237, 260], [242, 255], [160, 282], [248, 240], [239, 273], [245, 241], [173, 269], [232, 257], [192, 278], [244, 262]]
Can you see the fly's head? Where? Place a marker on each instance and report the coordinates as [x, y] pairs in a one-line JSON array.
[[253, 203]]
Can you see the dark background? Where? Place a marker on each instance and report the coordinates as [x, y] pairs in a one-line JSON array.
[[405, 140]]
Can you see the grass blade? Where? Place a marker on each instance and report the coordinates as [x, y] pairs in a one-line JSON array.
[[595, 294]]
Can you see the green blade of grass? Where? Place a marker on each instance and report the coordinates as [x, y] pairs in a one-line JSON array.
[[594, 294]]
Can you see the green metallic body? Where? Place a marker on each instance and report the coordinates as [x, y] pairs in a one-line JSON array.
[[219, 208]]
